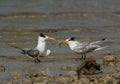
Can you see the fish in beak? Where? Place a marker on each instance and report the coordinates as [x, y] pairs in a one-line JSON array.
[[62, 42]]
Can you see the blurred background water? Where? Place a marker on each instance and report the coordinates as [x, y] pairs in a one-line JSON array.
[[22, 20]]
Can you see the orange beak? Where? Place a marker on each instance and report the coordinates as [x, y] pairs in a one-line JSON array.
[[50, 38]]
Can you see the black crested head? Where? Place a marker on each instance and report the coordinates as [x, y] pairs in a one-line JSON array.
[[72, 39], [42, 35]]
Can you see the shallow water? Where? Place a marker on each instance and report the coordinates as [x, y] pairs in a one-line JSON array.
[[21, 21]]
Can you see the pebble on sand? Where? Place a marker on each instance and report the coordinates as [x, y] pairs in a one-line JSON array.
[[110, 60]]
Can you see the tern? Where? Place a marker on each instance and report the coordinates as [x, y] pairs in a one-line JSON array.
[[39, 50], [83, 47]]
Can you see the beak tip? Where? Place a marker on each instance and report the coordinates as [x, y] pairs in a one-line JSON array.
[[50, 38]]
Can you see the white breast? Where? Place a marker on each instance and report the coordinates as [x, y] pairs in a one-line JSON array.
[[73, 44], [41, 45]]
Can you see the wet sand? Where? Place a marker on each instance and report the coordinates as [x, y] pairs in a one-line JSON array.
[[38, 78], [60, 69]]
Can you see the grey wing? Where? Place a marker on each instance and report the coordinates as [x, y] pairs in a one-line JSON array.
[[86, 47], [90, 48], [81, 47], [83, 44], [78, 50], [97, 43], [33, 53]]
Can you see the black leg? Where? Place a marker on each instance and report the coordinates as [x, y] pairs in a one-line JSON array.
[[37, 60]]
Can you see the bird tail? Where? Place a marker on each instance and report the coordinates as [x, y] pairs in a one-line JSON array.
[[23, 51], [101, 42]]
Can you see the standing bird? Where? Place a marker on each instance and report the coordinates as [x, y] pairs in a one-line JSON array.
[[39, 50], [83, 47]]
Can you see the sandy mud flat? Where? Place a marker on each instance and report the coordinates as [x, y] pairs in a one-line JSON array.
[[22, 70]]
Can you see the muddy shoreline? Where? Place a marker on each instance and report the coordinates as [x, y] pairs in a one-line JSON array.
[[38, 78], [37, 73]]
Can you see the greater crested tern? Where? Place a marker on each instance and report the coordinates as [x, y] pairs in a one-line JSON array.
[[83, 47], [39, 50]]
